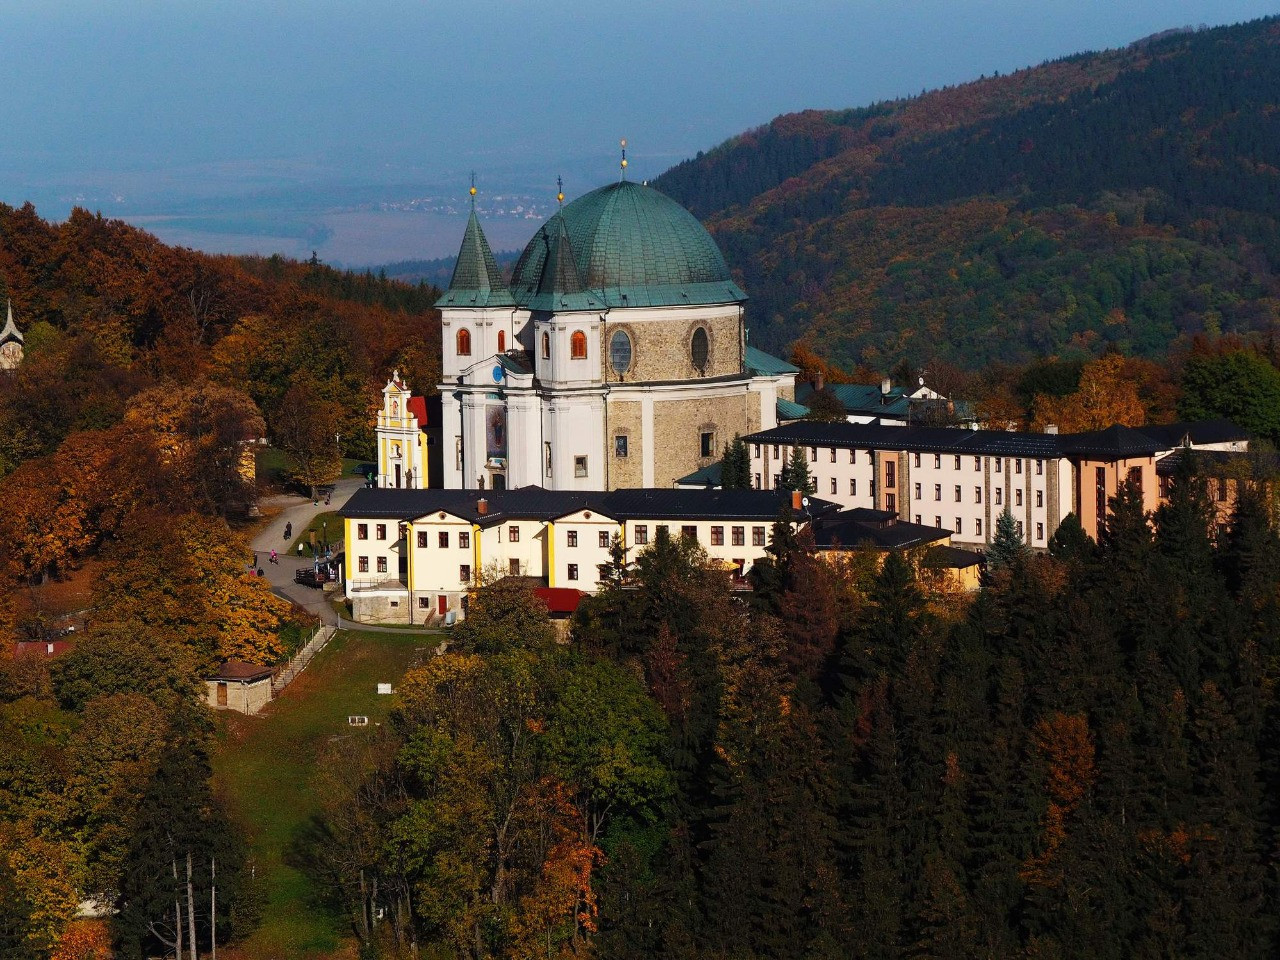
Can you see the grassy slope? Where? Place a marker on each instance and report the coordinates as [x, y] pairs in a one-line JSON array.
[[264, 765]]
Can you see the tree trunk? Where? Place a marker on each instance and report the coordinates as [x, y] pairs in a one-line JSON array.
[[364, 909], [213, 907], [191, 911], [177, 913]]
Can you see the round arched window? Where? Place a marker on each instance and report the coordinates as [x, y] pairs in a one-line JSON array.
[[699, 348], [502, 341], [578, 345], [464, 342], [620, 352]]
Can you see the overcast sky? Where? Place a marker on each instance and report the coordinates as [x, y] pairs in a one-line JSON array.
[[359, 86]]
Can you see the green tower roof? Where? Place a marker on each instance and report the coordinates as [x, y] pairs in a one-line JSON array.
[[477, 281], [631, 246]]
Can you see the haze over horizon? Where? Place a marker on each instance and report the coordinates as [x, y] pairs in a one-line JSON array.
[[283, 126]]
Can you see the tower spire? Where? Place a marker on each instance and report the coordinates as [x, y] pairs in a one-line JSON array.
[[624, 159], [560, 190]]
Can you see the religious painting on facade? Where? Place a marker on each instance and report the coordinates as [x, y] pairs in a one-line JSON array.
[[495, 431]]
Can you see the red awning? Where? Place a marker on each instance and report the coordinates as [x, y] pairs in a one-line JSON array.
[[559, 599]]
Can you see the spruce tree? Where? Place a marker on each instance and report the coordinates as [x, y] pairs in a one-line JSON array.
[[1069, 542], [735, 466], [795, 475], [1007, 548]]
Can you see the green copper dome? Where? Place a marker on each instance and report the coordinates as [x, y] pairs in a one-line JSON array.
[[624, 245]]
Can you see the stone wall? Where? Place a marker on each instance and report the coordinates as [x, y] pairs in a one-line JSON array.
[[678, 423], [661, 349], [624, 417]]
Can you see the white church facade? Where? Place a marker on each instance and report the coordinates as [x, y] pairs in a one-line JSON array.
[[617, 356]]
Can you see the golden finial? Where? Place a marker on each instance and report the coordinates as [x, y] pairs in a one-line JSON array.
[[560, 191], [473, 188], [624, 158]]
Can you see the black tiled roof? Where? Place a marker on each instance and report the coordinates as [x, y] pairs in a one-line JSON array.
[[851, 534], [1113, 442], [537, 503], [1204, 459], [952, 558]]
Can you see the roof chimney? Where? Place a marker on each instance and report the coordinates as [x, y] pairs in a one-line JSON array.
[[796, 501], [885, 386], [818, 382], [482, 506], [1051, 428]]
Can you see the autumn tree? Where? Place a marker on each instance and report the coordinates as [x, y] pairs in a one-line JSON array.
[[1106, 396], [306, 427]]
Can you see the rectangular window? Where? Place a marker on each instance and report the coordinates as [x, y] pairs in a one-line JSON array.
[[937, 522], [1100, 493], [363, 565], [706, 444], [999, 496], [1039, 531], [546, 456], [1220, 489], [573, 571], [604, 539], [444, 540], [833, 454], [937, 491], [977, 464], [513, 534], [513, 567], [853, 488], [1017, 465], [1039, 467], [834, 486], [571, 538], [689, 533], [919, 495], [579, 466], [977, 528], [937, 461], [958, 493], [890, 474], [777, 479], [813, 454], [382, 564], [853, 456], [957, 530], [642, 534], [457, 454], [424, 603], [957, 461], [464, 573], [775, 451], [620, 445], [757, 536], [999, 461], [464, 539], [1135, 478], [916, 460], [757, 481], [1019, 528], [422, 539], [891, 502], [1017, 497], [917, 518], [977, 494], [717, 536], [1039, 498], [739, 536], [755, 447], [362, 531], [382, 531]]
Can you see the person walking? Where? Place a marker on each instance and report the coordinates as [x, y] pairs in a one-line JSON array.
[[274, 559], [288, 530]]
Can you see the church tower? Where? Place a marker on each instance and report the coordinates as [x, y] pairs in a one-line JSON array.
[[11, 343]]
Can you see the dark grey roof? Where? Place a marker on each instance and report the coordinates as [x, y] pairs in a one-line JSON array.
[[1205, 460], [1111, 443], [951, 558], [541, 504], [1198, 432], [843, 531]]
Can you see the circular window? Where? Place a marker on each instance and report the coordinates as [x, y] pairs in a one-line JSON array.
[[620, 352], [698, 349]]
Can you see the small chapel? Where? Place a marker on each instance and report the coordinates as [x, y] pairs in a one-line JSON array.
[[616, 357]]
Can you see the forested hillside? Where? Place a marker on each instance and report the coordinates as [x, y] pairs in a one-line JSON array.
[[1126, 199]]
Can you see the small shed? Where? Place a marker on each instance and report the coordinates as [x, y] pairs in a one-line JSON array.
[[239, 686]]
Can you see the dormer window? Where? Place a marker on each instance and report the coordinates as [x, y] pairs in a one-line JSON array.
[[464, 342]]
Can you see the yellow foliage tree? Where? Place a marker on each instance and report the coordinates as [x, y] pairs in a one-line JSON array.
[[1105, 397]]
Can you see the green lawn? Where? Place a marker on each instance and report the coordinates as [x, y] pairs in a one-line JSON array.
[[326, 524], [264, 764], [274, 465]]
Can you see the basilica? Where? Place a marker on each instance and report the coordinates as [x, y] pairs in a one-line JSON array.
[[616, 357]]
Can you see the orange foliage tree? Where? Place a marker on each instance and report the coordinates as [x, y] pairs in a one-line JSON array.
[[1106, 396]]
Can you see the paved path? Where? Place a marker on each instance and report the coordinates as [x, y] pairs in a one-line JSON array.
[[300, 511]]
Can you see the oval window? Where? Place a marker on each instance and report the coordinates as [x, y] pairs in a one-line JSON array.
[[699, 347], [620, 352]]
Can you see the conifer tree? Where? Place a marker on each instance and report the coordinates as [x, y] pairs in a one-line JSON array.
[[735, 466], [795, 475], [1007, 548], [1069, 542]]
